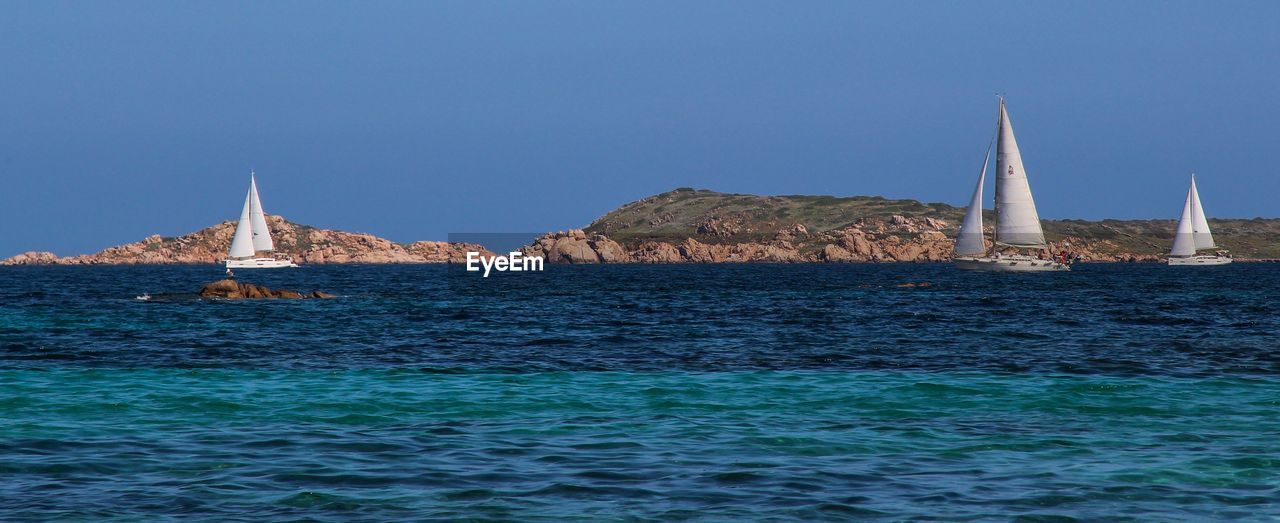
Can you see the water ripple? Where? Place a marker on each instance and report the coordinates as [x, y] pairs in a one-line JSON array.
[[645, 393]]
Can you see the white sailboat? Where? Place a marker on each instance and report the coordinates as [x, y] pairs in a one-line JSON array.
[[1193, 235], [251, 247], [1017, 222]]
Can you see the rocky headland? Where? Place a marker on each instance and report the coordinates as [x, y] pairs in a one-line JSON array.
[[698, 226], [302, 243]]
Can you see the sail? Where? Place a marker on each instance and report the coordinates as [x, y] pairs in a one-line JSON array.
[[970, 241], [1184, 243], [242, 242], [1017, 222], [1199, 225], [261, 233]]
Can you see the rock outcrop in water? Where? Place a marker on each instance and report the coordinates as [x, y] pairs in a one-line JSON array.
[[302, 243], [233, 290]]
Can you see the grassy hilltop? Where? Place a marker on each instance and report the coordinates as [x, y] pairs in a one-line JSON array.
[[714, 217]]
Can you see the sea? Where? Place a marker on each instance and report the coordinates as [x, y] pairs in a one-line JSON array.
[[751, 392]]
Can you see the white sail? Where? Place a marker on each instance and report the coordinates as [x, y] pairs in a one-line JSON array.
[[970, 241], [1017, 222], [242, 242], [261, 233], [1184, 243], [1199, 225]]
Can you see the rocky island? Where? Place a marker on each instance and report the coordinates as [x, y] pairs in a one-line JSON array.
[[302, 243], [700, 226]]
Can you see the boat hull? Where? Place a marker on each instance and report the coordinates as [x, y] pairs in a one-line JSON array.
[[1201, 260], [260, 263], [1018, 263]]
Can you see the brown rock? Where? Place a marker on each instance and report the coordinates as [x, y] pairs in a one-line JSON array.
[[914, 284], [936, 224], [608, 250], [445, 252], [232, 290], [835, 253], [781, 254], [697, 252], [656, 252], [32, 258], [221, 289], [573, 249]]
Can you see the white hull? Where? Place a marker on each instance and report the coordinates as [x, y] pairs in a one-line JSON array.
[[1203, 259], [1015, 263], [260, 263]]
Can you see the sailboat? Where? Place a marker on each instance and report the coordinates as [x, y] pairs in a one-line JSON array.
[[1193, 235], [251, 247], [1017, 222]]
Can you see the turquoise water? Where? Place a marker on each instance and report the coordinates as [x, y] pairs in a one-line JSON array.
[[648, 393]]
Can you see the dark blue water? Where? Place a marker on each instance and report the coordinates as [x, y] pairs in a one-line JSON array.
[[737, 392]]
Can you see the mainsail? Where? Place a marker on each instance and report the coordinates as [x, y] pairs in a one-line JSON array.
[[242, 242], [1199, 225], [1184, 243], [970, 241], [1017, 222], [261, 234]]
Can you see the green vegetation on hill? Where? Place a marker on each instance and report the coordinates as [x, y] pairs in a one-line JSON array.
[[1245, 238], [681, 213], [714, 217]]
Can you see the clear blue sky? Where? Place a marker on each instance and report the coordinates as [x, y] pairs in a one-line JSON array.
[[411, 120]]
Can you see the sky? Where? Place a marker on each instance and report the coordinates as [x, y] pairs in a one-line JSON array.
[[413, 120]]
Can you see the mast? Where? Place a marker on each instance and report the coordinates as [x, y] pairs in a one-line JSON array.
[[995, 231], [1017, 222], [261, 233]]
